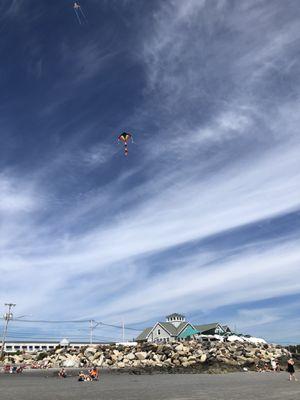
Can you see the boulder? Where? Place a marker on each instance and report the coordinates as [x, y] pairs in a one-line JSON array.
[[141, 355], [179, 347], [120, 365], [97, 355], [70, 363], [90, 350], [130, 356]]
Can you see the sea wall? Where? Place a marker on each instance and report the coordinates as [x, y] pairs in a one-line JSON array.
[[200, 357]]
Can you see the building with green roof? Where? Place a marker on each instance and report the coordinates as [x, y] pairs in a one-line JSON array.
[[177, 328]]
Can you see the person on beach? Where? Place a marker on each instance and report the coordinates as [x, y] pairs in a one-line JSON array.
[[20, 369], [266, 367], [13, 369], [291, 369], [273, 364], [81, 377], [94, 374], [62, 373], [278, 366]]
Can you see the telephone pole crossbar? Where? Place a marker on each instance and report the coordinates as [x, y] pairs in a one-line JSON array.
[[7, 317]]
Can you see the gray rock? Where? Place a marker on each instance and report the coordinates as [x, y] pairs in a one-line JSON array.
[[141, 355], [70, 363]]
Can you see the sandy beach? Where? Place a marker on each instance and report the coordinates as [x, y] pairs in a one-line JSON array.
[[235, 386]]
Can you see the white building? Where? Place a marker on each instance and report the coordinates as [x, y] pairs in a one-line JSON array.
[[35, 345]]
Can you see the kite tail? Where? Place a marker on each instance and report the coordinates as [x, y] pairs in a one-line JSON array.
[[125, 149], [77, 15], [83, 14]]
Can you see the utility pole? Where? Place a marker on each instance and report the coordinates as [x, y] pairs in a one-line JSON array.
[[123, 331], [91, 331], [7, 317], [92, 327]]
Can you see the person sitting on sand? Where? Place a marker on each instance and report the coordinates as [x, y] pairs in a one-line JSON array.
[[13, 369], [277, 366], [258, 368], [291, 369], [94, 374], [62, 373], [273, 364], [266, 367], [81, 377]]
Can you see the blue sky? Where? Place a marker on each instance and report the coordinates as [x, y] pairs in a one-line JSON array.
[[203, 215]]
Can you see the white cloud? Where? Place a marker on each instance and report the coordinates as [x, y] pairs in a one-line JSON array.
[[15, 197], [97, 155], [218, 161]]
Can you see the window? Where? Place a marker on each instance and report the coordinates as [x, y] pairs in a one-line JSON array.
[[158, 331], [17, 347]]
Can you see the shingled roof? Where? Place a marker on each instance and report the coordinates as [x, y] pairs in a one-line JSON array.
[[207, 327], [172, 328], [144, 334], [175, 315], [175, 331], [168, 326]]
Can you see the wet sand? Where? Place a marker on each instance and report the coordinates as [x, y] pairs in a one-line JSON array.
[[233, 386]]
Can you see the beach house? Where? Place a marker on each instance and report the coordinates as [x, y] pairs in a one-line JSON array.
[[177, 328]]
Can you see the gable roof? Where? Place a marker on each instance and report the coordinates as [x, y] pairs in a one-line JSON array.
[[183, 326], [188, 331], [173, 331], [208, 327], [226, 328], [144, 334], [170, 328], [167, 326]]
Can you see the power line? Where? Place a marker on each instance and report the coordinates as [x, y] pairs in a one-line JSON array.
[[64, 333], [121, 327], [52, 321], [73, 322], [50, 339]]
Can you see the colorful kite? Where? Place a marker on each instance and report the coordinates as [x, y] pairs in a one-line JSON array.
[[79, 13], [125, 137]]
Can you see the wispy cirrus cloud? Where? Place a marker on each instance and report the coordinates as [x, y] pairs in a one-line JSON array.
[[217, 157]]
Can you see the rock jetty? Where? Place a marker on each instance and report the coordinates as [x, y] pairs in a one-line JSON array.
[[184, 357]]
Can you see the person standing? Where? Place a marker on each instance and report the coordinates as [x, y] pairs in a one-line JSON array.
[[291, 369]]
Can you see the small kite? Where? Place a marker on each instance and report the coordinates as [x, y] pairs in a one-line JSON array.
[[79, 13], [125, 137]]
